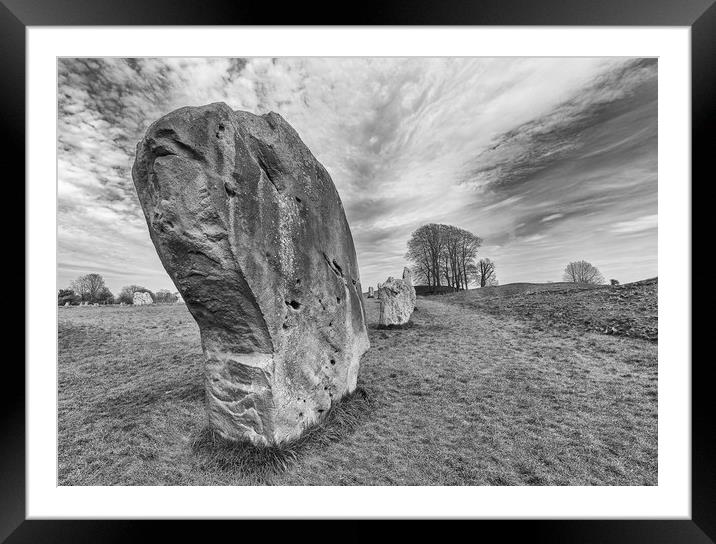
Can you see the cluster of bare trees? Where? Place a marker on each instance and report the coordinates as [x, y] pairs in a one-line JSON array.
[[91, 288], [444, 256]]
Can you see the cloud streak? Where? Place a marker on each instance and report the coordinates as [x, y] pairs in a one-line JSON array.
[[548, 160]]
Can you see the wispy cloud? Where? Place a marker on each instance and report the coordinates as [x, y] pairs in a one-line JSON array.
[[640, 224], [545, 159]]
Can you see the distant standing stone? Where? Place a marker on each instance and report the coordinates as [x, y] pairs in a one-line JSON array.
[[397, 301], [370, 292], [408, 279], [67, 304], [252, 231], [141, 298]]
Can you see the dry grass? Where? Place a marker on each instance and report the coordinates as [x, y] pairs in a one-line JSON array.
[[462, 397], [624, 310]]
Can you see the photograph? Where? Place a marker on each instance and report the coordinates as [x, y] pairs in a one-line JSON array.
[[357, 271]]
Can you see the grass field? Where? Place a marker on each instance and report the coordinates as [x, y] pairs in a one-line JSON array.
[[476, 392]]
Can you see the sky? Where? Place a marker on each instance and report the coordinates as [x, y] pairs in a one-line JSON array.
[[548, 160]]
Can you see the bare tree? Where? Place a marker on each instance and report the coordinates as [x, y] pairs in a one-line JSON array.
[[90, 288], [468, 246], [582, 272], [424, 250], [485, 273], [105, 296]]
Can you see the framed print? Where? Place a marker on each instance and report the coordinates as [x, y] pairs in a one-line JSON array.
[[404, 266]]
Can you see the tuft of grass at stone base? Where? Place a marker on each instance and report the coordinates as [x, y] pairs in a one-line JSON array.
[[260, 463]]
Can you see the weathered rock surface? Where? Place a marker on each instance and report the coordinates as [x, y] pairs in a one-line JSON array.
[[397, 301], [140, 298], [251, 229], [370, 292]]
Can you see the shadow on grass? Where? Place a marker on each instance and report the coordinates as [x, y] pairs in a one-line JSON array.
[[141, 400], [408, 325], [263, 462]]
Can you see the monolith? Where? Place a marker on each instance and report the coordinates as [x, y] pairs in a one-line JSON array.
[[251, 229], [141, 298], [397, 302]]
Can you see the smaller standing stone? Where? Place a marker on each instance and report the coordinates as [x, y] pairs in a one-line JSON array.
[[408, 279], [370, 292], [67, 304], [141, 298], [397, 301]]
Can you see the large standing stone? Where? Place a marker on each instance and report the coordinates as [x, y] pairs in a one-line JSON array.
[[397, 301], [140, 298], [252, 231]]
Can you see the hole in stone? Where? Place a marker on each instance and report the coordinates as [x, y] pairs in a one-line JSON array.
[[229, 191], [330, 324], [338, 300], [321, 410], [293, 304], [338, 267], [298, 200], [300, 414], [298, 282], [333, 361], [354, 282], [325, 388]]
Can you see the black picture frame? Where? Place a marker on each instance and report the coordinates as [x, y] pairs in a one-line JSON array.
[[699, 15]]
